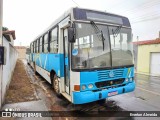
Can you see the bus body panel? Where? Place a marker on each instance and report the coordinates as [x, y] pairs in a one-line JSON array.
[[92, 77], [43, 73], [90, 96], [50, 61], [119, 83]]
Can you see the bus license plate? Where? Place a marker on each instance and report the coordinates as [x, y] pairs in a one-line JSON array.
[[112, 93]]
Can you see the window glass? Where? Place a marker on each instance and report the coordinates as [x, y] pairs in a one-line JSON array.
[[28, 51], [40, 46], [31, 48], [37, 45], [46, 43], [90, 50], [46, 38], [54, 41], [121, 45]]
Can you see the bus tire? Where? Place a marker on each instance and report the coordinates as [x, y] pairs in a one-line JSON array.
[[102, 101], [56, 85]]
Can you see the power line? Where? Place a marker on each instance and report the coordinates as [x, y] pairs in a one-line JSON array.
[[146, 15], [134, 11], [143, 6], [76, 3], [149, 19]]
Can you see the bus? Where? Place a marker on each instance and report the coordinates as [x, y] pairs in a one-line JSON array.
[[86, 55], [27, 54]]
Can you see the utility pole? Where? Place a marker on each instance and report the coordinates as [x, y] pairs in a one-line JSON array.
[[1, 18]]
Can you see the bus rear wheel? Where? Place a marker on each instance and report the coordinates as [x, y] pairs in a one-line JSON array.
[[56, 85]]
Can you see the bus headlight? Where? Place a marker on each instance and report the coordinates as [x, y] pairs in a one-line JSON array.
[[126, 79], [83, 87], [131, 79], [90, 86]]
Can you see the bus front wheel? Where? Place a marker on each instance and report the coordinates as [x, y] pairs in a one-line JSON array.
[[56, 85]]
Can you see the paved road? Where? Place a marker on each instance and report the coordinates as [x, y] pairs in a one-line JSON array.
[[146, 97]]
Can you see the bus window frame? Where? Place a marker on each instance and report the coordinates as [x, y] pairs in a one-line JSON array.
[[46, 42], [57, 41], [35, 46], [43, 44], [31, 48], [40, 44]]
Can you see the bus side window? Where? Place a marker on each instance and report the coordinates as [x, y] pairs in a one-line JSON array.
[[54, 41], [33, 47], [37, 45], [40, 45], [46, 43], [43, 44]]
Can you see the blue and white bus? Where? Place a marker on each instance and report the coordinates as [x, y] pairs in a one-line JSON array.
[[86, 55]]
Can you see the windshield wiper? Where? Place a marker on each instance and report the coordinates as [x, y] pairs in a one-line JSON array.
[[97, 31], [116, 32]]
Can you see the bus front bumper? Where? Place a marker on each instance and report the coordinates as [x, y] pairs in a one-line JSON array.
[[90, 96]]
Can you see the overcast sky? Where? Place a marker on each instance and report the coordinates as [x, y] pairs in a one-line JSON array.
[[30, 17]]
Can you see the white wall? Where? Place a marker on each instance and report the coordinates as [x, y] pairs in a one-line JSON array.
[[8, 69], [1, 18]]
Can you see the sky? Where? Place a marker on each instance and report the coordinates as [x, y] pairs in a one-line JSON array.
[[30, 17]]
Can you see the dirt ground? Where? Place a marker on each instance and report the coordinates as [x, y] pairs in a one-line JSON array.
[[20, 89]]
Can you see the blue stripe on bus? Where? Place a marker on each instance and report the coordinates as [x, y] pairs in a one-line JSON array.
[[50, 61]]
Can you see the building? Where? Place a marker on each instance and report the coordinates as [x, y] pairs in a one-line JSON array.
[[10, 36], [148, 57], [21, 51]]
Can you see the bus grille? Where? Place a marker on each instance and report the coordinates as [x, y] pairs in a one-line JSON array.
[[109, 83], [104, 75]]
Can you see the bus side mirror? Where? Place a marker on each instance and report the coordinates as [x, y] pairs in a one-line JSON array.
[[71, 35]]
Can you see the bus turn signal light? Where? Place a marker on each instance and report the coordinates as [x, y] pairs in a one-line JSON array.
[[77, 87]]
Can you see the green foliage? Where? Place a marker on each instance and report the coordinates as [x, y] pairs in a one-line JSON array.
[[4, 29]]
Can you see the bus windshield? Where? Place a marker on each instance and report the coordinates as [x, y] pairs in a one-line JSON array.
[[121, 46], [89, 51]]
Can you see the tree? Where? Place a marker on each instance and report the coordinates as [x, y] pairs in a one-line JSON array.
[[4, 29]]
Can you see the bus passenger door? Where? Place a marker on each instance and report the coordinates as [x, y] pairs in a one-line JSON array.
[[66, 63]]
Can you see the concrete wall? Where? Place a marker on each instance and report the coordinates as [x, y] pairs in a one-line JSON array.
[[135, 51], [144, 51], [1, 18], [7, 71]]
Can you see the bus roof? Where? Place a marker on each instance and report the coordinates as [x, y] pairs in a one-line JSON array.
[[79, 14]]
